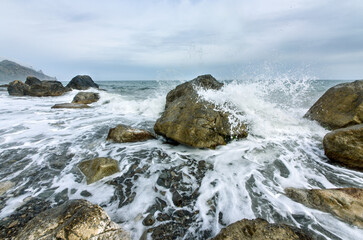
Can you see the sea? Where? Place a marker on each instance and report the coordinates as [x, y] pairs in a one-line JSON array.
[[40, 149]]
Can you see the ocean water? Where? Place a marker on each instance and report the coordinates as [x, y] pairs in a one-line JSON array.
[[41, 147]]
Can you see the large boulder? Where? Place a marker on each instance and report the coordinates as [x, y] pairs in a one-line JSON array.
[[98, 168], [75, 219], [345, 203], [86, 97], [82, 82], [192, 121], [341, 106], [122, 134], [18, 88], [36, 88], [345, 146], [257, 229], [30, 80]]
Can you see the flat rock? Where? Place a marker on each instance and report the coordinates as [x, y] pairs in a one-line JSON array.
[[341, 106], [82, 82], [192, 121], [70, 105], [98, 168], [75, 219], [6, 185], [345, 203], [258, 229], [345, 146], [122, 134], [86, 97]]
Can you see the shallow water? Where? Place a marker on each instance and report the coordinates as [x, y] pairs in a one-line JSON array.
[[41, 147]]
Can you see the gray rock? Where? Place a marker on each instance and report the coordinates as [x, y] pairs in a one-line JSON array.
[[86, 97], [98, 168], [82, 82], [122, 134], [30, 80], [71, 105]]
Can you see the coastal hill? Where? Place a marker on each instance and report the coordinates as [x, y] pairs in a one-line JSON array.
[[10, 71]]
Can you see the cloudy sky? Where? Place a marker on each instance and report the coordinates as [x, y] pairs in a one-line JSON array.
[[171, 39]]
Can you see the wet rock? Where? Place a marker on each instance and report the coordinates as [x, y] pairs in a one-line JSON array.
[[85, 193], [76, 219], [122, 134], [18, 88], [345, 203], [345, 146], [71, 105], [260, 229], [86, 98], [149, 220], [82, 82], [177, 199], [98, 168], [4, 85], [36, 88], [30, 80], [4, 186], [189, 120], [340, 106]]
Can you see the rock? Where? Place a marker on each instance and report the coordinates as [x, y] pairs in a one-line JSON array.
[[17, 88], [75, 219], [86, 97], [122, 134], [36, 88], [70, 105], [189, 120], [260, 229], [345, 203], [345, 146], [4, 186], [30, 80], [4, 85], [340, 106], [82, 82], [98, 168]]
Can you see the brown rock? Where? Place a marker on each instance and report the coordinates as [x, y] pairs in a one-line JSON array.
[[71, 105], [345, 146], [345, 203], [98, 168], [122, 134], [259, 229], [86, 97], [4, 186], [341, 106], [76, 219], [17, 88]]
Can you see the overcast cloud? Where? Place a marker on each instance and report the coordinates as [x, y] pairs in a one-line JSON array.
[[161, 39]]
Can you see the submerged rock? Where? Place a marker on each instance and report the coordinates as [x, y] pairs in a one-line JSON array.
[[345, 203], [122, 134], [98, 168], [86, 97], [340, 106], [82, 82], [345, 146], [70, 105], [260, 229], [36, 88], [189, 120], [75, 219]]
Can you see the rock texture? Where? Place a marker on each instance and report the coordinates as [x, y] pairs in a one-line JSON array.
[[189, 120], [82, 82], [76, 219], [259, 229], [345, 203], [122, 134], [70, 105], [4, 186], [86, 97], [98, 168], [341, 106], [36, 88], [345, 146]]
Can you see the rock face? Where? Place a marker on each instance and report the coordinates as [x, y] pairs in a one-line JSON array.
[[346, 203], [341, 106], [36, 88], [189, 120], [259, 229], [98, 168], [122, 134], [345, 146], [76, 219], [86, 97], [82, 82], [70, 105]]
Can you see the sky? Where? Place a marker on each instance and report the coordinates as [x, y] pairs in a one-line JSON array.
[[171, 39]]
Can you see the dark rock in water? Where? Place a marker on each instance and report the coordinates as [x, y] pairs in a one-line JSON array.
[[340, 106], [260, 229], [86, 97], [98, 168], [85, 193], [177, 199], [30, 80], [122, 134], [4, 85], [149, 220], [345, 146], [345, 203], [71, 105], [18, 88], [82, 82], [36, 88], [75, 219], [189, 120]]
